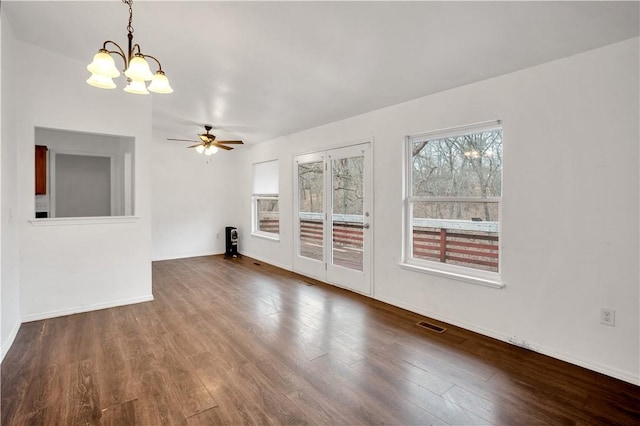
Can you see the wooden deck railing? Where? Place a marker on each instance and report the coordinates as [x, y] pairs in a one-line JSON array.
[[474, 249], [465, 243], [347, 242], [270, 225]]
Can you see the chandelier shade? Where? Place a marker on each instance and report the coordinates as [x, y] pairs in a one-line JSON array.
[[137, 87], [160, 83], [104, 65], [101, 81], [139, 69], [136, 68]]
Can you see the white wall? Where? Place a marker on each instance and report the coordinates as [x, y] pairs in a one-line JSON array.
[[194, 198], [79, 266], [570, 231], [10, 294]]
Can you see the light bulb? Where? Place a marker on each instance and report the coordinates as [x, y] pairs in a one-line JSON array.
[[200, 149]]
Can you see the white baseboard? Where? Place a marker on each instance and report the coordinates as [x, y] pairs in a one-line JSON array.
[[86, 308], [186, 256], [270, 262], [9, 340], [570, 358]]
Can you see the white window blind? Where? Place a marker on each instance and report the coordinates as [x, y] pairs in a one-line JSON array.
[[266, 178]]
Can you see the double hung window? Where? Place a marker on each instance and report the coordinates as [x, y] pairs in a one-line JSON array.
[[265, 211], [452, 201]]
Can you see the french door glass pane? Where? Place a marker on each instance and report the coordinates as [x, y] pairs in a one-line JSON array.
[[347, 202], [311, 209]]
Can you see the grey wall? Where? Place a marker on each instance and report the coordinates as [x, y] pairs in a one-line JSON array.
[[82, 185]]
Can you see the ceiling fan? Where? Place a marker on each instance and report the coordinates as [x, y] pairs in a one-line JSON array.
[[208, 143]]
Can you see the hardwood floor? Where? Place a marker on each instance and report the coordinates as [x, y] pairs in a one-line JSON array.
[[236, 342]]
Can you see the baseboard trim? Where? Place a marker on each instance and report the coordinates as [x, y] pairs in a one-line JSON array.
[[270, 262], [86, 308], [6, 345], [545, 350], [186, 256]]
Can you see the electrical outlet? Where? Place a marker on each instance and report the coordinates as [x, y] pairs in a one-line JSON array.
[[217, 235], [608, 316], [519, 342]]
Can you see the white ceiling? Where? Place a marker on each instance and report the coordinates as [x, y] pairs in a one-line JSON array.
[[258, 70]]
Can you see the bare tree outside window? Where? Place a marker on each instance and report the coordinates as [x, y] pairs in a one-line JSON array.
[[310, 208], [348, 185], [310, 184]]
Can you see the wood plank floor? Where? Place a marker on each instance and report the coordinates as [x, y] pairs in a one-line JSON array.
[[236, 342]]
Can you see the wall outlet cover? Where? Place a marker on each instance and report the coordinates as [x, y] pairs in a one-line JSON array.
[[608, 316]]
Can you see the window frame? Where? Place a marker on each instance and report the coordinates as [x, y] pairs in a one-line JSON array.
[[271, 195], [255, 219], [457, 272]]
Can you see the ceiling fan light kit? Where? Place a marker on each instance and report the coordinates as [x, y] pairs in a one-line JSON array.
[[103, 68], [208, 145]]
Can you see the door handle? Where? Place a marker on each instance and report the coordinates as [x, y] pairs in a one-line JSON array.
[[366, 226]]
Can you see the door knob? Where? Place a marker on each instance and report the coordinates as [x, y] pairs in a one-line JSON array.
[[366, 226]]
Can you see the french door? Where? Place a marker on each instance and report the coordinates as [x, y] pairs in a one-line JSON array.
[[333, 200]]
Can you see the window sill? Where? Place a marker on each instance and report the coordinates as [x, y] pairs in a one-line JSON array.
[[265, 236], [487, 282], [98, 220]]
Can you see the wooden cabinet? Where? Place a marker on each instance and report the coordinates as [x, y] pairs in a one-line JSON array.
[[41, 169]]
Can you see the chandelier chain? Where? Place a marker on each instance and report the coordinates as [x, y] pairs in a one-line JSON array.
[[130, 4]]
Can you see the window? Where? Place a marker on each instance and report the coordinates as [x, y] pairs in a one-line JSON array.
[[265, 215], [453, 194]]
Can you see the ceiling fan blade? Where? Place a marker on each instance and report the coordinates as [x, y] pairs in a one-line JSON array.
[[182, 140], [231, 142], [228, 148], [195, 146]]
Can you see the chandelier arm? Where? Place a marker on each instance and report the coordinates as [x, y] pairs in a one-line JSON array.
[[120, 52], [134, 48], [157, 61]]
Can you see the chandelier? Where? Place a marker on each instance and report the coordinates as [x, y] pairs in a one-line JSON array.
[[136, 68]]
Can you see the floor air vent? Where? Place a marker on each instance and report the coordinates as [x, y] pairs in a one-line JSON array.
[[432, 327]]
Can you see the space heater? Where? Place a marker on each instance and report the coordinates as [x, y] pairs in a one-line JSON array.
[[231, 238]]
